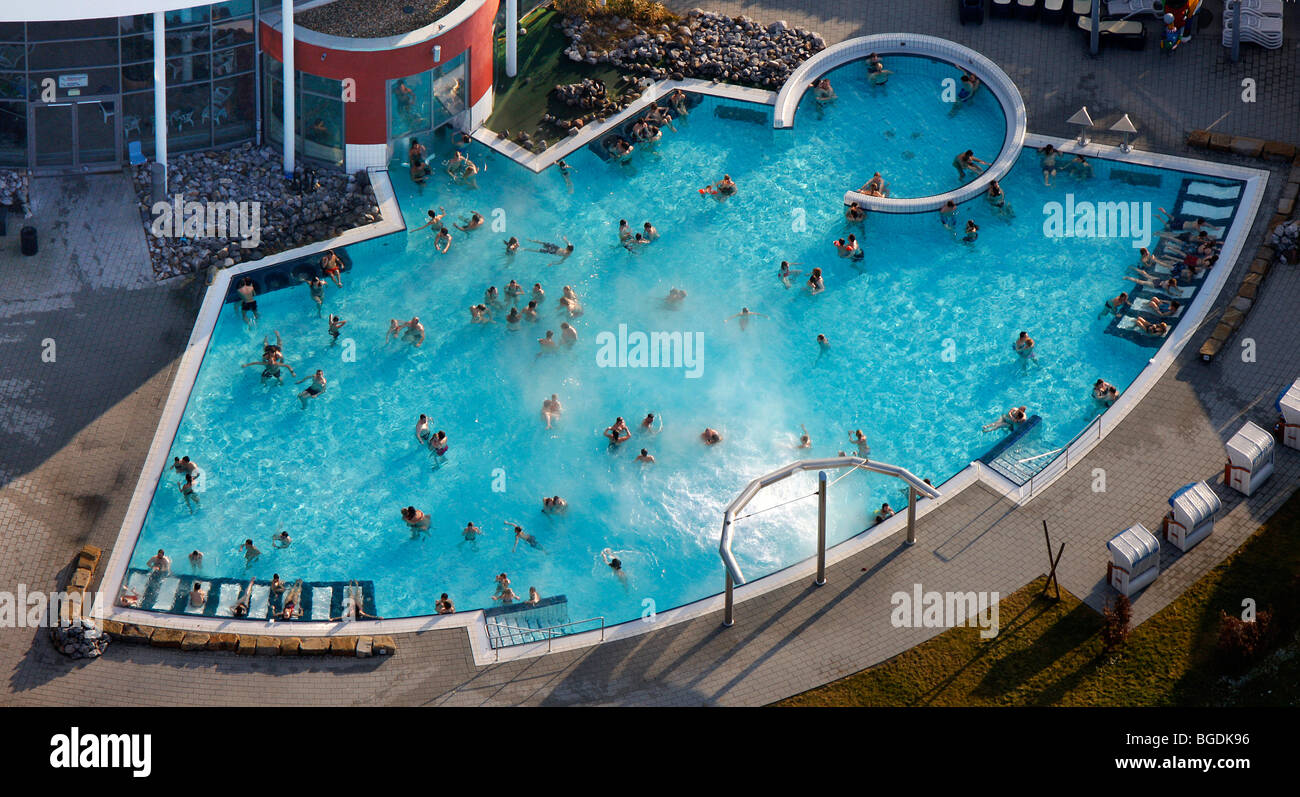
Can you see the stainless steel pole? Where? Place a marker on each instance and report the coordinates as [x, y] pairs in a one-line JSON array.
[[911, 515], [1094, 38], [821, 529], [728, 613], [1236, 31]]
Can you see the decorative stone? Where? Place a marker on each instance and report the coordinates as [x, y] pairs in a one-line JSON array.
[[112, 627], [343, 645], [314, 646], [223, 641], [195, 640], [246, 646], [384, 646], [1221, 142], [289, 645], [1198, 138], [1279, 150], [167, 638], [135, 633], [267, 646], [1250, 147], [365, 647], [1210, 348]]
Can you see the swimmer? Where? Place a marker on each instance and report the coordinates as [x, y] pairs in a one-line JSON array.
[[635, 241], [240, 609], [1024, 345], [848, 247], [1116, 305], [972, 232], [548, 248], [614, 564], [857, 438], [470, 534], [969, 86], [336, 324], [530, 312], [394, 328], [650, 232], [539, 295], [823, 94], [472, 223], [573, 306], [805, 440], [414, 332], [551, 409], [565, 169], [423, 434], [877, 75], [823, 343], [948, 214], [1154, 281], [514, 290], [710, 436], [331, 266], [506, 595], [502, 582], [1165, 307], [547, 343], [998, 200], [317, 386], [617, 432], [568, 334], [271, 365], [438, 444], [1047, 161], [512, 319], [520, 534], [855, 214], [247, 300], [1079, 167], [874, 187], [187, 491], [184, 465], [533, 597], [1104, 391], [196, 559], [197, 596], [645, 458], [492, 297], [648, 424], [677, 101], [786, 274], [885, 513], [444, 605], [467, 174], [435, 219], [250, 552], [160, 563], [442, 242], [415, 520], [317, 287], [480, 314], [815, 283], [512, 245], [1010, 419], [624, 231], [967, 162], [744, 315], [674, 298], [281, 540], [721, 189]]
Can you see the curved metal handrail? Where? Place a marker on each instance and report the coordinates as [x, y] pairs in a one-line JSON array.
[[752, 489], [989, 73]]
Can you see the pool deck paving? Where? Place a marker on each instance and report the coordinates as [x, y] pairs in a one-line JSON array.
[[74, 434]]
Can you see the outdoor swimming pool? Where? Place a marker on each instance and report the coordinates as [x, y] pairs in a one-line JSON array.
[[920, 358]]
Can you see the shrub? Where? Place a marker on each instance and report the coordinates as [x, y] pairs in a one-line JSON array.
[[1115, 625], [1243, 642], [645, 12]]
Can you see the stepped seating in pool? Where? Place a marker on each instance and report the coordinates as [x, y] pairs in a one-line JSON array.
[[320, 600], [600, 145], [288, 274], [1197, 198], [1002, 459], [520, 623]]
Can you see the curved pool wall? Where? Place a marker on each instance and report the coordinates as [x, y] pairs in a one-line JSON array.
[[887, 44]]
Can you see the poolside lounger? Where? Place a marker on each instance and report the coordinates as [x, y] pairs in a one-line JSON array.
[[1002, 8], [1143, 305], [1124, 31], [1128, 324], [1053, 11], [1200, 210], [207, 593], [1264, 31], [260, 602], [1129, 8], [1260, 8], [1213, 190], [165, 598], [321, 598], [226, 599]]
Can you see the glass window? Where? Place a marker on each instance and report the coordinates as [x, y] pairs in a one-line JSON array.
[[449, 88], [71, 29], [137, 23], [229, 34], [186, 16], [234, 113], [137, 77], [194, 41], [321, 122], [232, 61], [137, 119], [408, 105], [272, 100], [13, 56], [12, 32], [187, 69], [232, 9], [187, 117], [137, 48], [12, 86], [71, 55], [13, 134], [321, 85]]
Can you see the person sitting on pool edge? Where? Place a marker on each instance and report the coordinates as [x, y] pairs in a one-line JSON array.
[[884, 514]]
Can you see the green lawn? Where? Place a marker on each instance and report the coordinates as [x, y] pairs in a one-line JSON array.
[[522, 100], [1048, 653]]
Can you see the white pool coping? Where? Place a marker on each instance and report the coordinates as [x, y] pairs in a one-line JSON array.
[[1255, 181]]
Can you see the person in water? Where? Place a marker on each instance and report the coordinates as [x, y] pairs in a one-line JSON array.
[[548, 248], [967, 162], [521, 535], [1104, 391], [1009, 420], [948, 214], [617, 432], [744, 315], [711, 437], [1024, 346], [317, 386], [721, 189]]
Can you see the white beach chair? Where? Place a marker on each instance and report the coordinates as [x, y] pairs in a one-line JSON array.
[[1131, 8], [1261, 30], [1134, 559], [1260, 8]]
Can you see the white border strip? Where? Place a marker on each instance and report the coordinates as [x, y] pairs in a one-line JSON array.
[[472, 621], [537, 161], [214, 300], [884, 44]]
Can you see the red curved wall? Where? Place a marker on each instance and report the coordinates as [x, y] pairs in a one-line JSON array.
[[366, 120]]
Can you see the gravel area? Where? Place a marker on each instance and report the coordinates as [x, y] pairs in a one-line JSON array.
[[371, 19]]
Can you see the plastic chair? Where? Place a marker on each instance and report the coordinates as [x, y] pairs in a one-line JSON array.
[[135, 153]]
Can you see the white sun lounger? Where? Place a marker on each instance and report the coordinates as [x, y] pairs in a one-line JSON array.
[[1130, 8], [227, 598], [1129, 325], [166, 597], [320, 602], [1144, 305], [1201, 211], [1260, 8], [1264, 31], [207, 593], [1214, 191]]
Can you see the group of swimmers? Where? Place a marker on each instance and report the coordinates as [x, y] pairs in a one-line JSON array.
[[645, 130]]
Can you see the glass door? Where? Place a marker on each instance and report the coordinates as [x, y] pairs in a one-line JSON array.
[[78, 134]]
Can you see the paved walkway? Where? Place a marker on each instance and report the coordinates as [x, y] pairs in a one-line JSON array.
[[74, 434]]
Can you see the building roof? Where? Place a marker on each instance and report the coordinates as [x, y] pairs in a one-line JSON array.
[[366, 19]]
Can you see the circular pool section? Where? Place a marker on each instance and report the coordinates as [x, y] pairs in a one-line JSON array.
[[909, 129]]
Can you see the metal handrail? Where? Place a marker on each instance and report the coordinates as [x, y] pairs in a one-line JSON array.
[[1065, 455], [547, 630]]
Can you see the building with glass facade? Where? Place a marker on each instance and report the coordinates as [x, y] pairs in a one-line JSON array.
[[83, 94]]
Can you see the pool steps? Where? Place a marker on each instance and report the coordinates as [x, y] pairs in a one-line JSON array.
[[521, 623]]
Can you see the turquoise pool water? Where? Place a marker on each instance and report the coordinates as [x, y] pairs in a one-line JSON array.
[[920, 358]]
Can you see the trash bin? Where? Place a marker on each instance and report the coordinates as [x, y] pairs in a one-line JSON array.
[[28, 238]]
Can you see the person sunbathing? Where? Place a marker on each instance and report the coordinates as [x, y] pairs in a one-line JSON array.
[[1158, 329]]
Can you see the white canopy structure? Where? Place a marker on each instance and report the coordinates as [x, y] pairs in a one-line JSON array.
[[1134, 559], [1191, 515], [1250, 458]]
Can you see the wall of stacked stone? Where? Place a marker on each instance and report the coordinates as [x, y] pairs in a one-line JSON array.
[[1280, 245]]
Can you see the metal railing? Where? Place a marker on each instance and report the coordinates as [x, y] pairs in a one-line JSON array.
[[1091, 434], [551, 632]]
